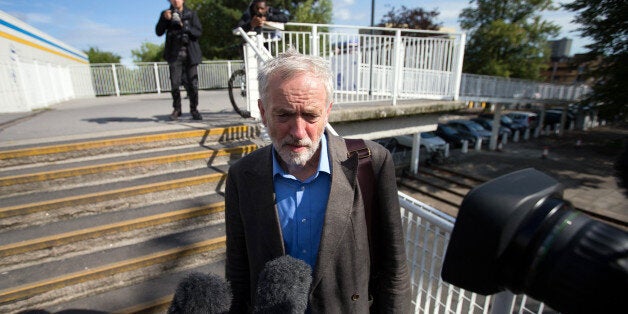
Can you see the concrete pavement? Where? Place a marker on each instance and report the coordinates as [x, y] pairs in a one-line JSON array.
[[112, 116]]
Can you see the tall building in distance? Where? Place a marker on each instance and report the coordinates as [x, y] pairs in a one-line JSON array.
[[560, 48]]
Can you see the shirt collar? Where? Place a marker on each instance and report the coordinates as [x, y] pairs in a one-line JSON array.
[[323, 162]]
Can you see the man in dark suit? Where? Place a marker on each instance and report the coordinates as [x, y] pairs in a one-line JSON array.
[[183, 53], [300, 196]]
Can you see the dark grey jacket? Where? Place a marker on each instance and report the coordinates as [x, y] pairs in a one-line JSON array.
[[175, 35], [341, 276]]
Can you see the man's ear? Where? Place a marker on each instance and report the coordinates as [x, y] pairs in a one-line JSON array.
[[262, 112]]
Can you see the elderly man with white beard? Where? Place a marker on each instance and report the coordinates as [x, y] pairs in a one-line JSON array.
[[300, 196]]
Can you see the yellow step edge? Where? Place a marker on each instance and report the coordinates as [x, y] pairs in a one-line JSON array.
[[29, 290], [79, 171], [62, 148], [99, 231], [103, 196]]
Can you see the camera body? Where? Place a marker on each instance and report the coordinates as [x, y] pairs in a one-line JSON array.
[[181, 21], [517, 233]]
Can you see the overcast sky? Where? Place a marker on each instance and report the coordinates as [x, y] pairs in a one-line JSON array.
[[121, 25]]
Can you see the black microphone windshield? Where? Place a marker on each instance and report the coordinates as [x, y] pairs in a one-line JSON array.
[[283, 286], [201, 293]]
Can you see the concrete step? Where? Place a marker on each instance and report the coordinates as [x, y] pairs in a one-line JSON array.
[[62, 151], [85, 223]]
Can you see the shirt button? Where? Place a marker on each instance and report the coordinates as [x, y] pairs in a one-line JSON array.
[[304, 251], [355, 297], [303, 220], [302, 188]]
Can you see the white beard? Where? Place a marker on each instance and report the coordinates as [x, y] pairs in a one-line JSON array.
[[296, 159]]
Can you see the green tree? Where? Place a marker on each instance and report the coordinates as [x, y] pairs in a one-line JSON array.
[[606, 23], [507, 37], [96, 56], [411, 18], [148, 52]]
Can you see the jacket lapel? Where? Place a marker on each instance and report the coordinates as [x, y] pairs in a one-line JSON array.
[[264, 205], [339, 206]]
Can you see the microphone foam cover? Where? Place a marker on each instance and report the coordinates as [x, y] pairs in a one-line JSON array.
[[283, 286], [201, 293]]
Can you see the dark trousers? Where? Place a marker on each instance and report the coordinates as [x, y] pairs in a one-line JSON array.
[[181, 71]]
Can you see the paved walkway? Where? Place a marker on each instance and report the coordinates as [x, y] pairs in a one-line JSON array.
[[111, 116]]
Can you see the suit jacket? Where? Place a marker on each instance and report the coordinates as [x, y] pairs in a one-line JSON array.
[[342, 273], [192, 28]]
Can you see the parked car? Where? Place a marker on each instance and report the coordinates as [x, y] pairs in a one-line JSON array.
[[471, 128], [430, 141], [488, 125], [552, 117], [453, 136], [529, 119], [505, 121]]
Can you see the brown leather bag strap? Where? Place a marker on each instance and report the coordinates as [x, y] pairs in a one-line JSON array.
[[366, 179]]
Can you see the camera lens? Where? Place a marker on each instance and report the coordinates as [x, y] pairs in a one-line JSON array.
[[517, 233]]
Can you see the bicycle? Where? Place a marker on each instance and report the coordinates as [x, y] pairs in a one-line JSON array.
[[237, 92]]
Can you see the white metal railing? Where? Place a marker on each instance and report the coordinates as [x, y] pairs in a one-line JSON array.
[[151, 77], [500, 89], [374, 63], [427, 233]]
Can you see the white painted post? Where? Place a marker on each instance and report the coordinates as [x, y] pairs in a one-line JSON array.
[[157, 82], [397, 67], [446, 150], [478, 144], [115, 79], [515, 137], [465, 147], [458, 65], [495, 124], [415, 157], [314, 41], [526, 134]]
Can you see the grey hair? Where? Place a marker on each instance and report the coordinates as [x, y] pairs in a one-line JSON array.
[[291, 63]]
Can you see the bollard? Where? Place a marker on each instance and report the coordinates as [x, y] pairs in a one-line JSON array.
[[557, 128], [504, 139], [537, 132], [515, 138], [446, 150], [478, 144], [499, 146], [465, 146], [526, 135], [545, 152]]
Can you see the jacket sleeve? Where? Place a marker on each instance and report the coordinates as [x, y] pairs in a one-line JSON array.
[[392, 287], [195, 29], [245, 22], [162, 25], [237, 265]]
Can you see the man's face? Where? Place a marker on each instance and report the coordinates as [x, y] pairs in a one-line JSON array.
[[178, 4], [296, 115], [260, 8]]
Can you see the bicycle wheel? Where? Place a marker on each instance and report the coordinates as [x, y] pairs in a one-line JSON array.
[[237, 92]]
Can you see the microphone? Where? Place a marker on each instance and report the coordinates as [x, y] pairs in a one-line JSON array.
[[202, 294], [283, 286]]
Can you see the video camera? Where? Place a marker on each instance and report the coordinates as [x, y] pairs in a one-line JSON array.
[[517, 233]]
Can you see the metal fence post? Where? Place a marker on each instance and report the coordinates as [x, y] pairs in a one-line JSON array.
[[115, 79], [458, 65], [156, 67], [397, 67], [314, 40]]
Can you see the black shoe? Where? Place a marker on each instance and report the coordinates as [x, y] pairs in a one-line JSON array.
[[196, 115], [175, 115]]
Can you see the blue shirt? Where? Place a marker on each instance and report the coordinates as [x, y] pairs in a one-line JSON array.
[[301, 206]]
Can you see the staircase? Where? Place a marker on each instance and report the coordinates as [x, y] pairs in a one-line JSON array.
[[113, 224]]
